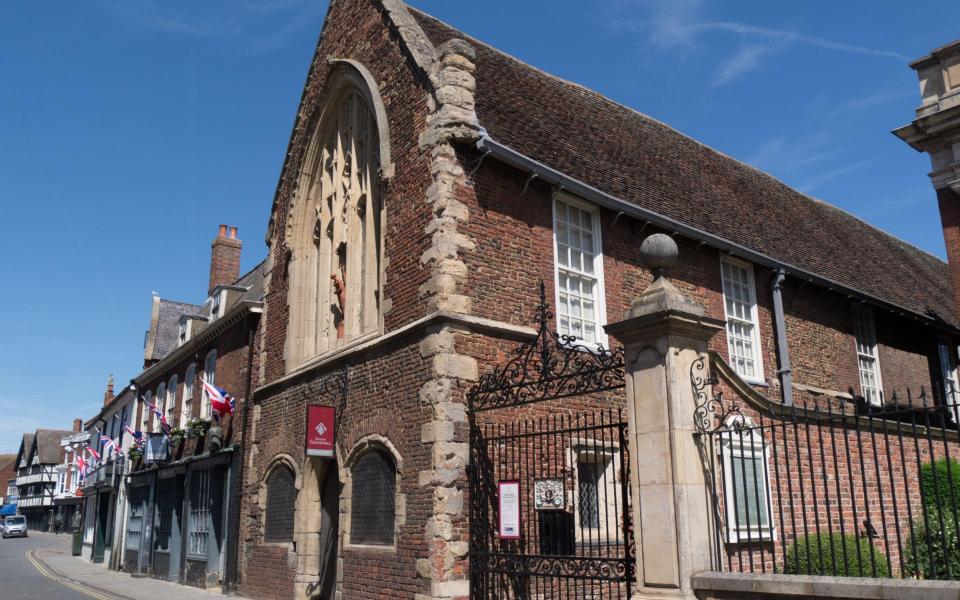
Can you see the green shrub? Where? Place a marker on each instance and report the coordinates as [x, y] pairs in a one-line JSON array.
[[926, 555], [835, 554], [940, 485], [929, 550]]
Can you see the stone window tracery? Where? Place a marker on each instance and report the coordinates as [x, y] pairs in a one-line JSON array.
[[335, 285]]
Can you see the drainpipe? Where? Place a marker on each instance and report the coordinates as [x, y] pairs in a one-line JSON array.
[[236, 516], [783, 353]]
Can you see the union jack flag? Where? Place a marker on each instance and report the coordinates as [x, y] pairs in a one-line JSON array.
[[93, 454], [137, 436], [220, 401], [110, 446], [81, 465], [160, 416]]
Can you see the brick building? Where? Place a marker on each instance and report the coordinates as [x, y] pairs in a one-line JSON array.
[[179, 488], [431, 183], [8, 471]]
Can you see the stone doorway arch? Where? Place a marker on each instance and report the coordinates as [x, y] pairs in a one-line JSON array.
[[317, 530]]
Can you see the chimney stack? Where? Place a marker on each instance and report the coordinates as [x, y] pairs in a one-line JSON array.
[[224, 258], [77, 425], [108, 395], [935, 130]]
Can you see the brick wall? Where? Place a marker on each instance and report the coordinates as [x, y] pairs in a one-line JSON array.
[[231, 374], [831, 475], [382, 401], [512, 225], [949, 203]]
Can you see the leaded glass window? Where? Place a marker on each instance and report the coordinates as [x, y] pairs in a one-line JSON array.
[[373, 502], [588, 478], [281, 499]]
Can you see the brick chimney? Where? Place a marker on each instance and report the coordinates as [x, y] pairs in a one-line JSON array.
[[224, 258], [77, 425], [936, 131], [108, 395]]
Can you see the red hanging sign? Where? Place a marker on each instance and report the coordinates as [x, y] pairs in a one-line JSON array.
[[320, 434]]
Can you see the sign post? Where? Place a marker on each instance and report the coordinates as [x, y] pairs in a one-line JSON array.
[[320, 433]]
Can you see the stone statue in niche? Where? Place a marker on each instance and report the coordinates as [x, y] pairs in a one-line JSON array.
[[340, 289]]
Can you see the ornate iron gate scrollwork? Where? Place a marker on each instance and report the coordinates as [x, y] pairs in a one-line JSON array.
[[570, 465]]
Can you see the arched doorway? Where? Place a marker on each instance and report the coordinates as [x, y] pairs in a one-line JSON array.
[[317, 530]]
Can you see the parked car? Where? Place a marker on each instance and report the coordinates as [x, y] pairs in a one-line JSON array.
[[14, 526]]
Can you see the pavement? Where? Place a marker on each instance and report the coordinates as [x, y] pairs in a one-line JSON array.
[[46, 560]]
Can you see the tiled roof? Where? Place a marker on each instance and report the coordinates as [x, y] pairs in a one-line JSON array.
[[168, 324], [48, 444], [638, 159], [253, 280], [25, 447]]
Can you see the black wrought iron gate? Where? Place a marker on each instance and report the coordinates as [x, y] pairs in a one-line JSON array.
[[549, 474]]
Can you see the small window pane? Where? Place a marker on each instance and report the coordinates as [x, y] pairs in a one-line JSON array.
[[589, 474]]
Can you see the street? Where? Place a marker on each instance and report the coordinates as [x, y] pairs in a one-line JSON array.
[[20, 578]]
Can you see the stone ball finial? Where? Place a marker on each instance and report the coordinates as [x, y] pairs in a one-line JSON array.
[[659, 252]]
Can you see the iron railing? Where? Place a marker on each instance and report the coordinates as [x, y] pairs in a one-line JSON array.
[[834, 487], [569, 533]]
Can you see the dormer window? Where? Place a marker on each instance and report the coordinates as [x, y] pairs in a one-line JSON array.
[[184, 331], [217, 305]]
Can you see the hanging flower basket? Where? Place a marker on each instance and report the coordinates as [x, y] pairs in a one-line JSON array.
[[197, 427], [177, 436]]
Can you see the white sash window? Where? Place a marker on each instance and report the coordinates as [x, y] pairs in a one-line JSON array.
[[868, 359], [743, 322], [579, 270]]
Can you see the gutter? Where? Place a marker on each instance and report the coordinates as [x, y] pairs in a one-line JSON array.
[[509, 156]]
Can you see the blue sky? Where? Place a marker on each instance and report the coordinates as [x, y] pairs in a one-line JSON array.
[[129, 129]]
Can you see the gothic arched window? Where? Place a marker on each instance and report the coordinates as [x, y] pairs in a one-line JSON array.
[[281, 500], [335, 234], [373, 499]]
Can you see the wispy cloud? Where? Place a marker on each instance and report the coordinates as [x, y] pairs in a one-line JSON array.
[[740, 63], [679, 26], [816, 180], [791, 37], [795, 155], [264, 25], [869, 101]]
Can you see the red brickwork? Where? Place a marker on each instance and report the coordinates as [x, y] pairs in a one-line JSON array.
[[224, 258], [231, 374], [949, 202], [510, 226], [382, 401], [514, 251], [830, 474]]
